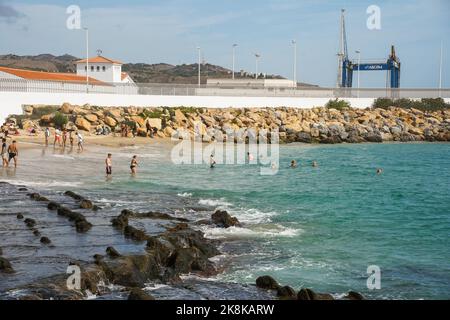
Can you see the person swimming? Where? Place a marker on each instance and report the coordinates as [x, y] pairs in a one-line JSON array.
[[379, 171], [293, 164], [250, 157], [315, 164], [212, 161], [133, 165]]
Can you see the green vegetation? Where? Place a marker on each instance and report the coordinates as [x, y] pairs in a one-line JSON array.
[[337, 104], [60, 120], [154, 114], [428, 104], [38, 112]]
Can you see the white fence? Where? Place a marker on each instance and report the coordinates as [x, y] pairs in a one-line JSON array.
[[19, 85]]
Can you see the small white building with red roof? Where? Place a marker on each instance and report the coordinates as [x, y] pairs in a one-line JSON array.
[[103, 69]]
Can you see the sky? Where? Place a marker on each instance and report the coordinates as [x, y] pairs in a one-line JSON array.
[[169, 31]]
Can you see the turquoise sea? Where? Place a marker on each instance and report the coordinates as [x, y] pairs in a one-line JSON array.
[[308, 227]]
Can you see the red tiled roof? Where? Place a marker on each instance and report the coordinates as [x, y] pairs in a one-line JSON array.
[[49, 76], [99, 59], [124, 75]]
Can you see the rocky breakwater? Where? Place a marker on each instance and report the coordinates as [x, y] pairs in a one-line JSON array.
[[316, 125]]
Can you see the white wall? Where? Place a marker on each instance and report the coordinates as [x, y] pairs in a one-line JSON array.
[[112, 73], [11, 102]]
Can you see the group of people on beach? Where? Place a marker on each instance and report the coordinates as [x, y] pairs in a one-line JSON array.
[[61, 137], [9, 153]]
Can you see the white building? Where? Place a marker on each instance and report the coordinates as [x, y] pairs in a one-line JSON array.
[[103, 69]]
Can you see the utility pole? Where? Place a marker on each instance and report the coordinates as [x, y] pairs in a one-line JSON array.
[[359, 69], [257, 56], [342, 49], [440, 69], [199, 64], [87, 59], [295, 63], [234, 49]]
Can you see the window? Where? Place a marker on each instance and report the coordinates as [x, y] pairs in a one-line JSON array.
[[98, 68], [85, 68], [104, 68], [92, 68]]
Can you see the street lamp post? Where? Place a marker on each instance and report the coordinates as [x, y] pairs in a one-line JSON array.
[[257, 56], [294, 42], [87, 59], [359, 70], [234, 51], [440, 69], [199, 64]]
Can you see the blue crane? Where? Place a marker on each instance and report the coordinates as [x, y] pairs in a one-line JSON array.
[[346, 67]]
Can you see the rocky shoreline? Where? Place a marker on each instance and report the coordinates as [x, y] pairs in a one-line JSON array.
[[317, 125], [179, 250]]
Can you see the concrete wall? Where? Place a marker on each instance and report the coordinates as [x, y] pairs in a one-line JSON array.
[[11, 102]]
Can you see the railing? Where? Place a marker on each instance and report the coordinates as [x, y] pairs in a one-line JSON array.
[[19, 85]]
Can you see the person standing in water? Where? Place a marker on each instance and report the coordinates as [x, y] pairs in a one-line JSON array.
[[80, 141], [108, 163], [314, 164], [13, 153], [293, 164], [57, 137], [4, 153], [64, 137], [212, 161], [71, 138], [133, 165], [47, 136]]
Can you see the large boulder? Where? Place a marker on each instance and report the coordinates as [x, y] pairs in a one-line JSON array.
[[155, 123], [91, 117], [82, 124], [110, 121], [267, 282], [179, 117], [114, 113], [66, 108], [5, 266], [139, 294], [223, 219]]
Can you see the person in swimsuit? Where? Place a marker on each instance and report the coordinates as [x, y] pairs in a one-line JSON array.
[[108, 163], [4, 153], [13, 153], [133, 165], [80, 141], [212, 162], [293, 164], [64, 137], [57, 137], [71, 138], [47, 135]]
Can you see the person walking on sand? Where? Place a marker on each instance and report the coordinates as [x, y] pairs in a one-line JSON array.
[[80, 141], [133, 165], [13, 153], [57, 137], [71, 138], [108, 163], [4, 153], [64, 137], [47, 136]]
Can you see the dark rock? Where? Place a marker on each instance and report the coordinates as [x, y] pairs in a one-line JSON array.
[[63, 211], [135, 234], [308, 294], [331, 140], [139, 294], [36, 232], [5, 266], [45, 240], [98, 258], [19, 216], [267, 282], [222, 219], [286, 292], [374, 138], [203, 222], [158, 215], [353, 295], [121, 221], [82, 226], [86, 204], [22, 189], [112, 253], [96, 208], [304, 137], [35, 196], [73, 195], [30, 222], [53, 205], [1, 251]]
